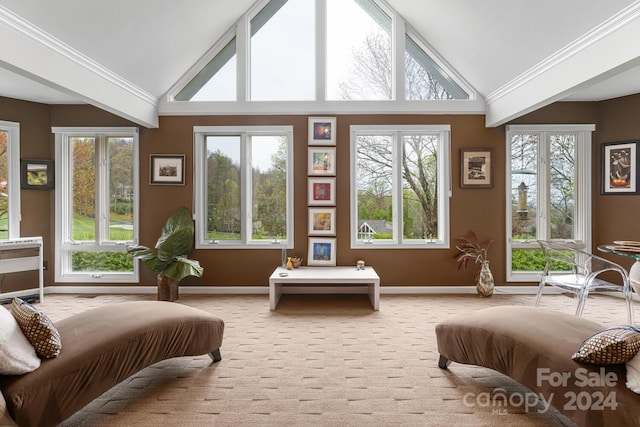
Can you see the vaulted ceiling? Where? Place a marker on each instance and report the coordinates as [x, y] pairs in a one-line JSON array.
[[123, 56]]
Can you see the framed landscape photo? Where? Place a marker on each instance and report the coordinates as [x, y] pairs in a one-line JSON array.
[[322, 221], [322, 191], [322, 161], [36, 174], [620, 168], [167, 169], [476, 167], [322, 252], [322, 131]]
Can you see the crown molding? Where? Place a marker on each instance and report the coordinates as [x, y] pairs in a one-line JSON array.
[[36, 54], [572, 66]]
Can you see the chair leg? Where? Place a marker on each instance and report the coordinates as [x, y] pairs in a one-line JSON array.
[[582, 301], [540, 291], [629, 297]]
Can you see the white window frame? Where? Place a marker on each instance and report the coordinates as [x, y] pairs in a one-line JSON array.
[[200, 134], [442, 241], [168, 105], [583, 183], [65, 246], [13, 170]]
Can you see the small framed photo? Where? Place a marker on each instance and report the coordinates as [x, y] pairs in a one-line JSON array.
[[322, 251], [36, 174], [476, 167], [167, 169], [322, 161], [322, 131], [322, 221], [322, 191], [620, 168]]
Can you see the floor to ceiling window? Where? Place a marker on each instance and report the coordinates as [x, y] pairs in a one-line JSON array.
[[548, 173], [9, 180]]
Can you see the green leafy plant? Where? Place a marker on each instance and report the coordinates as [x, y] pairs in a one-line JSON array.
[[470, 248], [174, 245]]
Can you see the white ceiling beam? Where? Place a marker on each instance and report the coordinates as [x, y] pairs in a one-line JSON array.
[[605, 50], [33, 53]]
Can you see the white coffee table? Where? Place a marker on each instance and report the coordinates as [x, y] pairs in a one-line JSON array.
[[345, 276]]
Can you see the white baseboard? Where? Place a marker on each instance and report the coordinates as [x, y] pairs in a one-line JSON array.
[[264, 290]]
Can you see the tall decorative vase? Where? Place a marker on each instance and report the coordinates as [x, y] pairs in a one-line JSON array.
[[484, 281], [167, 288]]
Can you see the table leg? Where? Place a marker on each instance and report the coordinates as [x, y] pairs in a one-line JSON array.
[[275, 291]]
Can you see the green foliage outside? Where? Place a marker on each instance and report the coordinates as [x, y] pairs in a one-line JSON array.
[[532, 260], [101, 261]]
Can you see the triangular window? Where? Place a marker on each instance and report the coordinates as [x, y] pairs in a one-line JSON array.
[[299, 52]]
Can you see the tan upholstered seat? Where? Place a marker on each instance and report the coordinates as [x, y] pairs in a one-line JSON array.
[[103, 346]]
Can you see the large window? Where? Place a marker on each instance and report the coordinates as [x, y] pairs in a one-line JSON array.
[[314, 52], [96, 204], [243, 186], [548, 193], [9, 180], [400, 186]]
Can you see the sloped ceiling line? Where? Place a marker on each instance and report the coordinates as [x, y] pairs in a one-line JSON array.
[[35, 54], [584, 60]]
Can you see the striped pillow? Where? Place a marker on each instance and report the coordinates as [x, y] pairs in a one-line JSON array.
[[38, 328]]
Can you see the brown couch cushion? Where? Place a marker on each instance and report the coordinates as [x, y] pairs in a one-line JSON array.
[[102, 347], [5, 418], [534, 347]]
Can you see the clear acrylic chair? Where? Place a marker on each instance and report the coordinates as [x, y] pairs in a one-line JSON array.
[[579, 272]]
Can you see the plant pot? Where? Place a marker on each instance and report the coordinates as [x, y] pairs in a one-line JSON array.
[[484, 281], [167, 288]]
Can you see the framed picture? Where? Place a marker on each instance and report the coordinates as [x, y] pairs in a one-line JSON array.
[[322, 191], [322, 221], [322, 131], [322, 161], [476, 167], [167, 169], [36, 174], [322, 251], [620, 168]]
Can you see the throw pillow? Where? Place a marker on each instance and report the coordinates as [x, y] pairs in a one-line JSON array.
[[609, 347], [38, 328], [17, 355], [633, 374]]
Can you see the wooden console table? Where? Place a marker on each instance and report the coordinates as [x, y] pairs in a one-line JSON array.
[[339, 276]]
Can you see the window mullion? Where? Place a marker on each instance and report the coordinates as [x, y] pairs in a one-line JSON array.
[[321, 50], [397, 215], [246, 226]]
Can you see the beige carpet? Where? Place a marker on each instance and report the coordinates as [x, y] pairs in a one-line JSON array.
[[320, 361]]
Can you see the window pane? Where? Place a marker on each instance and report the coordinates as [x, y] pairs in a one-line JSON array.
[[101, 261], [425, 79], [84, 189], [562, 186], [524, 204], [120, 189], [359, 56], [374, 186], [216, 81], [269, 187], [223, 187], [283, 51], [419, 187], [4, 185]]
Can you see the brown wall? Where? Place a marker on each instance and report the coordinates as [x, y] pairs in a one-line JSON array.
[[479, 209]]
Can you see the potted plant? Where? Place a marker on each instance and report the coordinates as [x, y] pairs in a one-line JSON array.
[[170, 258], [470, 248]]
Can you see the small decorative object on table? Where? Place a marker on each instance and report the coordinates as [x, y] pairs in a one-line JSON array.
[[289, 263], [360, 265], [296, 261], [470, 248]]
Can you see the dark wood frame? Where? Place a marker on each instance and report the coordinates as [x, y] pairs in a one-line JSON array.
[[27, 166], [155, 176], [469, 169], [610, 154]]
